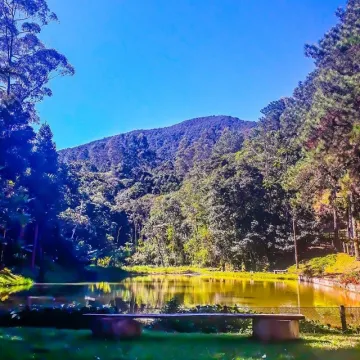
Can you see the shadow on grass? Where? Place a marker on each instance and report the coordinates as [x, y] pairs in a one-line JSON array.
[[27, 343], [238, 347]]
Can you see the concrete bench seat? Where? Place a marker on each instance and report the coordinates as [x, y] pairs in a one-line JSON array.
[[266, 327]]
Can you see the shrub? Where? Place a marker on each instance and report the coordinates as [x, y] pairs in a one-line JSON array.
[[351, 278], [204, 325], [104, 262], [7, 278]]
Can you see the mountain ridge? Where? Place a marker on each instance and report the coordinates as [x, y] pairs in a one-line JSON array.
[[164, 141]]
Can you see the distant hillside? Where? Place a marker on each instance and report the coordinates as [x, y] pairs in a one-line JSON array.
[[163, 142]]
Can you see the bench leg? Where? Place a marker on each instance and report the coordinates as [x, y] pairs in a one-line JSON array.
[[116, 328], [275, 330]]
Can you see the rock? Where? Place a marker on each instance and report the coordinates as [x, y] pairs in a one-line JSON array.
[[116, 328]]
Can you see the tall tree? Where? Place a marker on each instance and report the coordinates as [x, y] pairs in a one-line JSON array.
[[333, 123], [16, 136], [44, 186], [26, 64]]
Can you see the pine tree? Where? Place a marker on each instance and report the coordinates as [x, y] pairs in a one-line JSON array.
[[44, 187]]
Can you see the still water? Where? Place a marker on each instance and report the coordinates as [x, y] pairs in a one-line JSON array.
[[152, 292]]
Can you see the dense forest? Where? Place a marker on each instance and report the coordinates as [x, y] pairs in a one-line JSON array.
[[213, 191]]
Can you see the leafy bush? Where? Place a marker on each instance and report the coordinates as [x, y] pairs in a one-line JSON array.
[[327, 265], [104, 262], [205, 325], [310, 326], [7, 278], [351, 278]]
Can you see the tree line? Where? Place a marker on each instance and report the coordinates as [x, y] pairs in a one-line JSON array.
[[228, 198], [294, 180], [33, 183]]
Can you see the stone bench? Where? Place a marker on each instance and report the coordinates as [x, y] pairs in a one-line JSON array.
[[266, 327]]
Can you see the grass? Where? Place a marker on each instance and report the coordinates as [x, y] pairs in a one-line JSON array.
[[207, 273], [328, 265], [40, 343], [7, 278]]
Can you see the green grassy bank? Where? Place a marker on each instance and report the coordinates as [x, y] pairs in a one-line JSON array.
[[330, 265], [207, 272], [38, 343]]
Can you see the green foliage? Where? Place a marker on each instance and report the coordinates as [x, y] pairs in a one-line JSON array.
[[332, 264], [197, 249], [293, 177], [27, 64], [7, 278], [173, 306], [31, 180], [104, 262], [207, 192], [200, 324], [318, 265]]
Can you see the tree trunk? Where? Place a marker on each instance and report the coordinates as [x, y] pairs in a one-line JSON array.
[[348, 222], [118, 235], [353, 228], [160, 252], [2, 265], [36, 236], [22, 232], [42, 265], [295, 244], [73, 232], [10, 55], [135, 241], [336, 240]]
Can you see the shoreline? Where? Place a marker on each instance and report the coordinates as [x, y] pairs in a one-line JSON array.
[[333, 283], [207, 273]]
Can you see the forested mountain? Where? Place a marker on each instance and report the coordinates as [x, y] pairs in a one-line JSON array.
[[213, 191], [120, 177], [108, 153]]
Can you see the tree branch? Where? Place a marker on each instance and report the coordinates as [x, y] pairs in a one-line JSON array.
[[23, 19]]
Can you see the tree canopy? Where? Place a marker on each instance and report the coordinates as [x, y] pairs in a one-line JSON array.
[[213, 191]]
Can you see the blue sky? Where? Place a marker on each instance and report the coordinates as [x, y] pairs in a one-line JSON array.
[[151, 63]]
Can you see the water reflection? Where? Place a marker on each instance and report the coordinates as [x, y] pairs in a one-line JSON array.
[[154, 291], [6, 291]]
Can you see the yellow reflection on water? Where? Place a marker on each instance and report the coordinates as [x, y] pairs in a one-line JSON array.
[[5, 292], [156, 290], [102, 286], [153, 291]]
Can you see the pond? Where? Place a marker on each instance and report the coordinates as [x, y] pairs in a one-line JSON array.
[[152, 292]]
